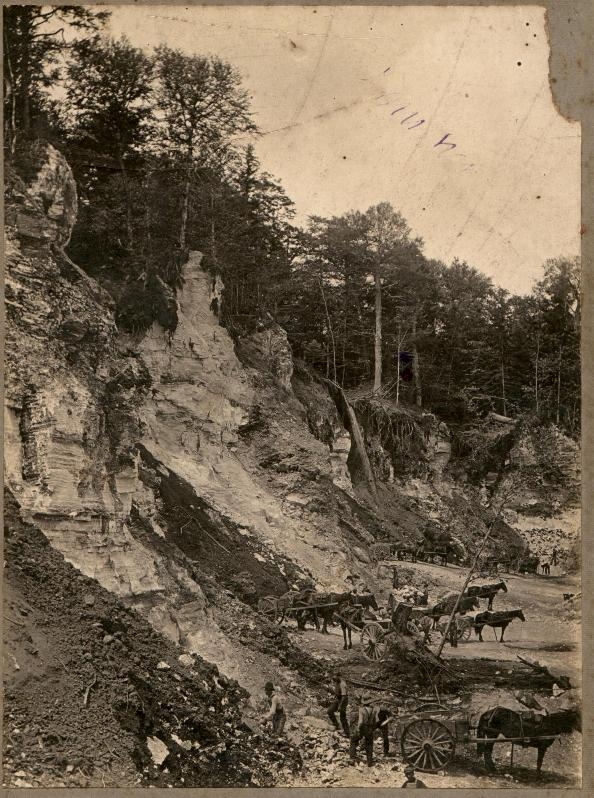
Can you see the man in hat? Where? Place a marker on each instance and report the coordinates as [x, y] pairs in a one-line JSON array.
[[276, 714], [411, 781], [363, 729], [339, 704]]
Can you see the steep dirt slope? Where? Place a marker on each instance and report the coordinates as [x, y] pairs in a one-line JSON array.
[[95, 697]]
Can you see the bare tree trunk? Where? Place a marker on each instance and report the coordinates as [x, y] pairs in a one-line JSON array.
[[186, 202], [26, 34], [416, 364], [398, 368], [10, 92], [536, 397], [503, 386], [184, 213], [343, 365], [129, 228], [558, 415], [377, 378], [330, 330], [213, 239], [147, 211], [479, 550]]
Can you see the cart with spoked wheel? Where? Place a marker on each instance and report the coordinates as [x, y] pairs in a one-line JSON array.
[[431, 734], [428, 736]]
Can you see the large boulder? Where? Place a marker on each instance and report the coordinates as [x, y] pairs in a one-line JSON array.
[[48, 204]]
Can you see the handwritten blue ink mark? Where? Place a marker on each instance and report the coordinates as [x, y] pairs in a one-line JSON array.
[[402, 107], [406, 118], [417, 124]]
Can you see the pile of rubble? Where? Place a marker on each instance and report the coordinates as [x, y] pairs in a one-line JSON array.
[[95, 697]]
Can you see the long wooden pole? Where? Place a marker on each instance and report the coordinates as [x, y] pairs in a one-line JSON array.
[[470, 572]]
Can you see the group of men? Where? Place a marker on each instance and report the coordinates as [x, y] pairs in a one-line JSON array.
[[361, 728]]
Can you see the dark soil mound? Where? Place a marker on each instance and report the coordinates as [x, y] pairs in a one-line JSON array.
[[89, 684]]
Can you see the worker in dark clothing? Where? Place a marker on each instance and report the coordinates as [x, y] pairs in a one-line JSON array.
[[276, 715], [363, 729], [339, 704], [384, 716], [411, 781], [395, 582], [453, 633], [554, 557], [424, 601]]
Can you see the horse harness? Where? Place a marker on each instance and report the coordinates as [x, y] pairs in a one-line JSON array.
[[525, 743]]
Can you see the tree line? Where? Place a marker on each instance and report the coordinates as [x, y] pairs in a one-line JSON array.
[[162, 148]]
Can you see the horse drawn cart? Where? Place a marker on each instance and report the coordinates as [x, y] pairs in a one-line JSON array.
[[277, 608], [431, 734], [399, 552]]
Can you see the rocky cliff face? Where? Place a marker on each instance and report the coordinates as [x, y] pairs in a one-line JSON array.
[[143, 460], [181, 470]]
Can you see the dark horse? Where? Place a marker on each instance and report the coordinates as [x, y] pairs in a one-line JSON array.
[[529, 727], [355, 615], [498, 620], [487, 591], [445, 606], [330, 603]]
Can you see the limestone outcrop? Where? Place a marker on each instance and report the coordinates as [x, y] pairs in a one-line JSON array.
[[102, 429]]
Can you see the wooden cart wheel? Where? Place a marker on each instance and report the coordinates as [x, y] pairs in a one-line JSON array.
[[427, 744], [437, 559], [268, 606], [373, 641], [463, 632]]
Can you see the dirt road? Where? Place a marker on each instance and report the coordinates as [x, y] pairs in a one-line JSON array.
[[544, 636]]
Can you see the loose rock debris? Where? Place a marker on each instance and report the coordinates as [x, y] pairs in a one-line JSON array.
[[60, 732]]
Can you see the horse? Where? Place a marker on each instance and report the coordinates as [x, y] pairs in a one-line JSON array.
[[445, 606], [498, 620], [335, 600], [292, 599], [529, 727], [488, 591], [355, 614]]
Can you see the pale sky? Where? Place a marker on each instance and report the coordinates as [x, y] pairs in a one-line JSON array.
[[340, 94]]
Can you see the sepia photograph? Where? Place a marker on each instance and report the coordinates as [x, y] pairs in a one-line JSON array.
[[292, 382]]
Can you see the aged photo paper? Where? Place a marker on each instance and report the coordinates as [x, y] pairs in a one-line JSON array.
[[294, 306]]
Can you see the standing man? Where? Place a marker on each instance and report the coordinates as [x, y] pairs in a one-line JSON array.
[[363, 729], [424, 602], [554, 556], [453, 633], [276, 715], [394, 578], [384, 716], [339, 704], [411, 781]]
